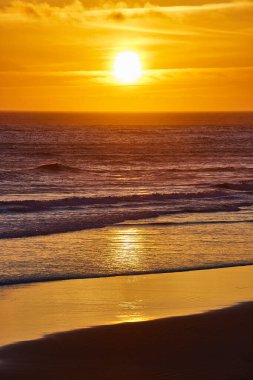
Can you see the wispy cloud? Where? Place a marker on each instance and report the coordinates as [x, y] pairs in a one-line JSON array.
[[69, 45], [25, 10], [225, 18], [192, 76]]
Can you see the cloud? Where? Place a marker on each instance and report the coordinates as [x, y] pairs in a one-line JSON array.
[[181, 76], [223, 18], [117, 16], [201, 51], [42, 37], [24, 10]]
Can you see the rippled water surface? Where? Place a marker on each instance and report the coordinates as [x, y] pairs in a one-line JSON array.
[[182, 185]]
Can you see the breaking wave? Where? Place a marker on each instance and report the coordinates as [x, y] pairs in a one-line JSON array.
[[56, 168], [241, 186], [135, 199]]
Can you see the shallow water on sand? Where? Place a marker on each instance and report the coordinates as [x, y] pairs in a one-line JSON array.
[[163, 244]]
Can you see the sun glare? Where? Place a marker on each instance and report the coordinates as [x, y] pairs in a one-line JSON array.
[[127, 67]]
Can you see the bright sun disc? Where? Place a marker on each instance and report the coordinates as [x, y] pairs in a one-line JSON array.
[[127, 67]]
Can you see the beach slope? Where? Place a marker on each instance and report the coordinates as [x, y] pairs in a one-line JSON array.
[[216, 345]]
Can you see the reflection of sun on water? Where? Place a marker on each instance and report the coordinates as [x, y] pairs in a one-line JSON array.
[[129, 236], [128, 243], [127, 248]]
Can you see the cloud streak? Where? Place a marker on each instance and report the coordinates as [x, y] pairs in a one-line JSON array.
[[71, 49], [24, 10], [72, 78]]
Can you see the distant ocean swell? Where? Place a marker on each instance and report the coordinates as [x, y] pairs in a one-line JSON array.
[[55, 168]]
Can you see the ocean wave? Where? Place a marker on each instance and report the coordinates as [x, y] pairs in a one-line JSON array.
[[55, 168], [205, 169], [46, 169], [46, 205], [79, 222], [240, 186], [26, 218], [31, 279]]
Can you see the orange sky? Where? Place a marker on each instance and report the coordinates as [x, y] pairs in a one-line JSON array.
[[58, 55]]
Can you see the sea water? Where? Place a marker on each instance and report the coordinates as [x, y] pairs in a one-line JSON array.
[[90, 195]]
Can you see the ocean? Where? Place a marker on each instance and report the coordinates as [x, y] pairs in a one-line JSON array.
[[93, 195]]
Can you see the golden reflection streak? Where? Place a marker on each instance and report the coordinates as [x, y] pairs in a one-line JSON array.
[[127, 243]]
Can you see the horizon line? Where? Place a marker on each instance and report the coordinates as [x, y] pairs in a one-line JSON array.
[[123, 112]]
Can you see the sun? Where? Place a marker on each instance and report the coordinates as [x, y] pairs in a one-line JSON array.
[[127, 67]]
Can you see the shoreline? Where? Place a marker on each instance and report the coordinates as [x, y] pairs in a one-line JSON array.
[[31, 311], [127, 274], [213, 345]]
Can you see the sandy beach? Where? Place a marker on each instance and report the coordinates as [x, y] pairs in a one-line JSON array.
[[207, 332], [30, 311], [214, 345]]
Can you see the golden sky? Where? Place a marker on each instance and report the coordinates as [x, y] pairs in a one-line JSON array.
[[58, 55]]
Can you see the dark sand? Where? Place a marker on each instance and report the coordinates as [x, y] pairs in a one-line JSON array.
[[216, 345]]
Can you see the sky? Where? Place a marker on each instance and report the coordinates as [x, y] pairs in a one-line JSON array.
[[58, 55]]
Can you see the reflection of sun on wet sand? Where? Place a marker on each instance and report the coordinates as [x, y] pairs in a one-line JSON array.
[[31, 311], [210, 346], [189, 345]]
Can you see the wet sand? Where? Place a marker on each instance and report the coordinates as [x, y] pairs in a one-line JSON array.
[[216, 345], [30, 311]]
